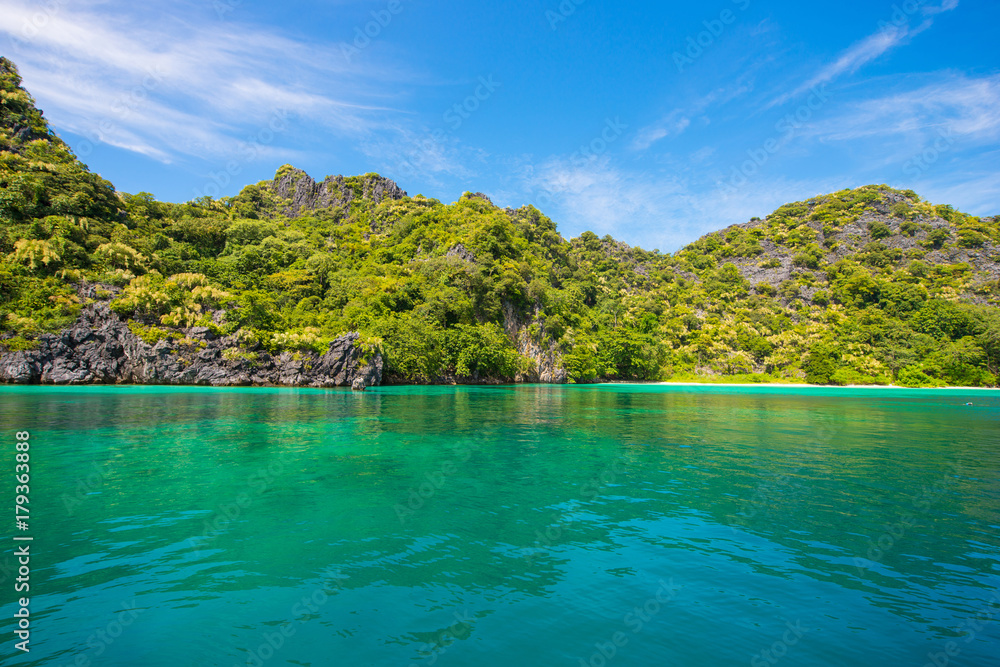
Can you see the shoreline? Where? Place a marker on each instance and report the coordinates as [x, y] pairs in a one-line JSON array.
[[818, 386], [683, 383]]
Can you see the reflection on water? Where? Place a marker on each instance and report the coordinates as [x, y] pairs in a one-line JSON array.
[[627, 525]]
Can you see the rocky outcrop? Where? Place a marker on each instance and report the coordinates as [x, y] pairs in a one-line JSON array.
[[463, 253], [901, 240], [541, 350], [299, 193], [101, 349]]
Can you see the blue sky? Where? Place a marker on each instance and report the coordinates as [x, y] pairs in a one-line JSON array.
[[654, 122]]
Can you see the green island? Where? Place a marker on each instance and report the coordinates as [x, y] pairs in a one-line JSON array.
[[870, 285]]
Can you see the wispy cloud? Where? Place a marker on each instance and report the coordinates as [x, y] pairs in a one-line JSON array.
[[426, 155], [958, 104], [602, 197], [665, 209], [679, 119], [976, 186], [888, 36], [145, 80], [671, 125]]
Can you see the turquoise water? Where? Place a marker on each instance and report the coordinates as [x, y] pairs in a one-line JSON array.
[[618, 525]]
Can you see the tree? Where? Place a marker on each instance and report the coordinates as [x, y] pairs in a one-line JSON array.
[[821, 363]]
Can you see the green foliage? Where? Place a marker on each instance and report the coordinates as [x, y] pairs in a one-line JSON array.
[[821, 364], [969, 238], [937, 237], [148, 334], [437, 288], [18, 344], [483, 351], [879, 230], [902, 210], [811, 257]]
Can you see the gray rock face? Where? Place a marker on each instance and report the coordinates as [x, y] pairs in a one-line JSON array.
[[543, 352], [853, 237], [100, 348], [460, 251], [305, 194]]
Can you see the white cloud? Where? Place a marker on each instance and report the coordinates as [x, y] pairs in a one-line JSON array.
[[409, 155], [890, 34], [672, 125], [652, 210], [975, 189], [677, 121], [956, 104], [162, 81]]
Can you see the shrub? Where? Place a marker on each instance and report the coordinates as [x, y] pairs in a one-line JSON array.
[[902, 210], [844, 376], [36, 253], [937, 238], [483, 350], [120, 256], [969, 238], [789, 289], [148, 334], [879, 230], [820, 364], [913, 376], [18, 344], [236, 354], [308, 339]]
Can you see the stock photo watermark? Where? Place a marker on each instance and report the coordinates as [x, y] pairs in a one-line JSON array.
[[454, 116], [463, 110], [301, 612], [460, 629], [123, 106], [787, 127], [433, 481], [773, 487], [588, 151], [791, 124], [611, 132], [565, 9], [971, 628], [634, 621], [923, 160], [219, 522], [553, 532], [38, 21], [22, 542], [697, 44], [892, 534], [224, 7], [780, 648], [365, 34], [901, 14], [102, 638], [249, 150], [776, 487], [85, 487]]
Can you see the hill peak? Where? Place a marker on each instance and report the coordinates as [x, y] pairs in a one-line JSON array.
[[292, 192]]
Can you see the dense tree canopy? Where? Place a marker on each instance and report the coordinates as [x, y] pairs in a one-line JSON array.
[[870, 285]]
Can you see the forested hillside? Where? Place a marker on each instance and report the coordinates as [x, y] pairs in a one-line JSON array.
[[871, 285]]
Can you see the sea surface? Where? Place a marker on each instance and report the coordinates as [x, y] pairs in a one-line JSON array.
[[532, 525]]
